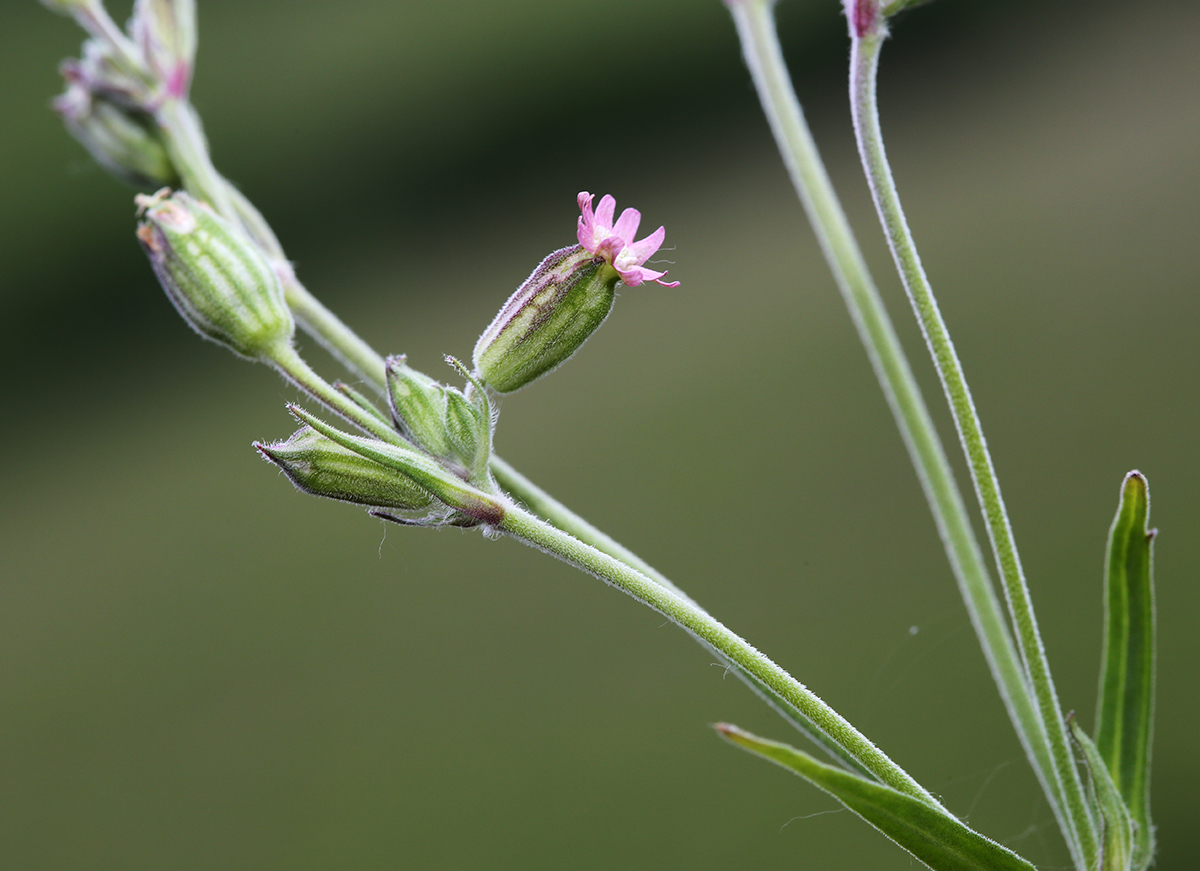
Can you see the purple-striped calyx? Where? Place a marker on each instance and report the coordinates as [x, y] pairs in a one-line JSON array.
[[566, 298]]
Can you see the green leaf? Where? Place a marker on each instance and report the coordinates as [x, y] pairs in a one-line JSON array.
[[1116, 825], [927, 831], [1125, 714]]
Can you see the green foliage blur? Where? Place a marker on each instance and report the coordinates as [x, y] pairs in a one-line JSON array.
[[201, 668]]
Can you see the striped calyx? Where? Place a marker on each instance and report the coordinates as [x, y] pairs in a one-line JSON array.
[[215, 277], [547, 319]]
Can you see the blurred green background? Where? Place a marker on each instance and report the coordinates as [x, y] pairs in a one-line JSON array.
[[201, 668]]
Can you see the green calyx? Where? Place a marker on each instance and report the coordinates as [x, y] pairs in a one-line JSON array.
[[213, 274], [546, 320], [443, 421], [320, 466], [124, 141]]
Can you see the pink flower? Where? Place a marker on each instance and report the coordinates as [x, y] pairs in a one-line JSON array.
[[614, 242]]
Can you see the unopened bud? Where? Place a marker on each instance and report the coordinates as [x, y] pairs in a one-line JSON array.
[[548, 318], [123, 141], [165, 31], [467, 427], [216, 278], [112, 75], [439, 419], [418, 405], [320, 466]]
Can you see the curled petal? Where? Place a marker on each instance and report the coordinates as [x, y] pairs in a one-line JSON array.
[[614, 243]]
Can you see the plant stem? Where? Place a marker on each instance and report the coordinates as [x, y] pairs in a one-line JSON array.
[[185, 141], [295, 369], [684, 613], [756, 28], [1079, 824], [183, 137], [333, 335]]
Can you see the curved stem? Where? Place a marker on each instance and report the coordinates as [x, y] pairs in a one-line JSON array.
[[525, 527], [760, 44], [1077, 820]]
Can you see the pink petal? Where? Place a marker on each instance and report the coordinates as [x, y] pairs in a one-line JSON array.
[[641, 251], [604, 214], [608, 248], [586, 232], [631, 277], [627, 225]]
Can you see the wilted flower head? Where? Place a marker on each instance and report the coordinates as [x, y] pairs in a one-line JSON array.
[[614, 242]]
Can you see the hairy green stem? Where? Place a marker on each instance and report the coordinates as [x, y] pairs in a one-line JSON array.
[[295, 369], [756, 28], [710, 632], [183, 137], [1066, 784]]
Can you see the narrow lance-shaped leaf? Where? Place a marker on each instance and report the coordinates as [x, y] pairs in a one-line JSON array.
[[1116, 826], [1125, 715], [929, 833]]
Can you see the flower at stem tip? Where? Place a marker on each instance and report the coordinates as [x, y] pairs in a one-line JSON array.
[[614, 241], [566, 298]]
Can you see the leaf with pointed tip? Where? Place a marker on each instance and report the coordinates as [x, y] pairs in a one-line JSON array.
[[1125, 713], [928, 832]]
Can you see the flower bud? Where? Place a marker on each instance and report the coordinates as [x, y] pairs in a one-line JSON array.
[[111, 75], [165, 31], [123, 141], [215, 277], [418, 406], [320, 466], [467, 428], [547, 319], [440, 420]]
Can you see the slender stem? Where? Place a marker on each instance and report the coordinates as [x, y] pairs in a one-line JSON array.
[[94, 18], [864, 66], [293, 367], [541, 503], [527, 528], [756, 28], [183, 137], [335, 337]]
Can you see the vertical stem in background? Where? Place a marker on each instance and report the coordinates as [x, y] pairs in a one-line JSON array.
[[756, 29], [1075, 817]]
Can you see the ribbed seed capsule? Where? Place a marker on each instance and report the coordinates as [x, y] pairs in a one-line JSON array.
[[215, 277]]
